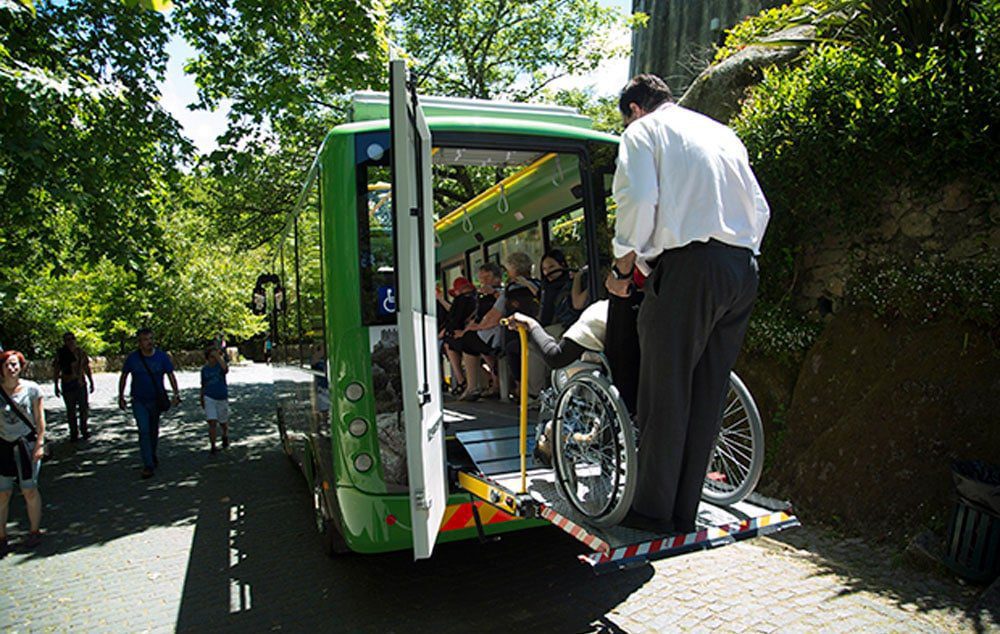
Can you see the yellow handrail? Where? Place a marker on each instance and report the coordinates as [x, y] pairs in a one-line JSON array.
[[522, 332]]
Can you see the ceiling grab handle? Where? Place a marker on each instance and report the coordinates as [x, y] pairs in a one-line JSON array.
[[503, 205], [467, 225], [559, 173]]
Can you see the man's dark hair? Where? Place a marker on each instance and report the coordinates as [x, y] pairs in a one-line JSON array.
[[143, 331], [68, 335], [492, 267], [645, 91]]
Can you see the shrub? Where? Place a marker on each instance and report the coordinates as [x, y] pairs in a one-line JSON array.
[[929, 288]]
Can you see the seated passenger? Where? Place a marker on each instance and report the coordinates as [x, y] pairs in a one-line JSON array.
[[557, 313], [607, 326], [484, 337], [463, 309]]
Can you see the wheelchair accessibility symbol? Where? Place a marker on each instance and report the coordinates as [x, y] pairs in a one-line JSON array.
[[386, 300]]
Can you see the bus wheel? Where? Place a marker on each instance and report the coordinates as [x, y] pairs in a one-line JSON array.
[[286, 445]]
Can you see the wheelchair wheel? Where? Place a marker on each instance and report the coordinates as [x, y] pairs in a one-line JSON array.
[[738, 457], [594, 449]]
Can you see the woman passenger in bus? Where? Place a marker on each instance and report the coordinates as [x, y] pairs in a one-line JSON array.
[[463, 308], [484, 337], [557, 314]]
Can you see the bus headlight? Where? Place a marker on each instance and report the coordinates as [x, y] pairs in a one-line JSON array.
[[358, 427], [363, 462], [354, 392]]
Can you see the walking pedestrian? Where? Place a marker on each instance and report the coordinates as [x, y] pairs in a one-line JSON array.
[[215, 394], [71, 371], [22, 439], [691, 216], [148, 365]]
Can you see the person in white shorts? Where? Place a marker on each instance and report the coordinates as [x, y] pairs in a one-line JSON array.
[[215, 394]]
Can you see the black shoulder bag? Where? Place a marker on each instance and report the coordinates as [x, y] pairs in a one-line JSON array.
[[162, 400], [27, 442]]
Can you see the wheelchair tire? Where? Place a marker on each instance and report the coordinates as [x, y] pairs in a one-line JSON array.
[[594, 449], [738, 457]]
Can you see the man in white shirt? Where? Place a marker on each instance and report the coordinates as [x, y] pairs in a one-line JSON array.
[[690, 217]]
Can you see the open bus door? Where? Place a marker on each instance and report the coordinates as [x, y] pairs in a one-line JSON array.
[[419, 362]]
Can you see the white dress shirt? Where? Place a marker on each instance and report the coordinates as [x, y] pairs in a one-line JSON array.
[[682, 178]]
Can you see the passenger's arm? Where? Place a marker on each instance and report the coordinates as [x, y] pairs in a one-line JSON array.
[[557, 354], [121, 388], [90, 375], [490, 320], [173, 384], [56, 374]]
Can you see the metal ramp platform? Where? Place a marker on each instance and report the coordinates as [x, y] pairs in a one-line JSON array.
[[498, 482]]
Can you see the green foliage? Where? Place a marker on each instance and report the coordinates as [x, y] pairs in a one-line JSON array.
[[929, 288], [203, 290], [891, 93], [910, 24], [282, 62], [768, 22], [284, 69], [496, 48], [776, 330], [603, 111], [828, 137]]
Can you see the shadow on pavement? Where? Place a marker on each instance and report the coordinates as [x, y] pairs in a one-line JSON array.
[[92, 491], [879, 570], [256, 561]]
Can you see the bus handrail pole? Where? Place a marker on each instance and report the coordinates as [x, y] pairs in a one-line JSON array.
[[522, 332]]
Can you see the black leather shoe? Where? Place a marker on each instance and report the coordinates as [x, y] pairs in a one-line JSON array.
[[641, 522]]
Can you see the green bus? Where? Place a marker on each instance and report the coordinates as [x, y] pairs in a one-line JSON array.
[[413, 193]]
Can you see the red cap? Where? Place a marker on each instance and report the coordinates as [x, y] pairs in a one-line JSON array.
[[459, 285]]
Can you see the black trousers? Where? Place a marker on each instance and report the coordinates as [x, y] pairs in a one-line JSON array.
[[77, 402], [691, 325], [621, 346]]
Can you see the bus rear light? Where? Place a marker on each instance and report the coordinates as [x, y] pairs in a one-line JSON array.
[[358, 427], [390, 520], [363, 462], [354, 392]]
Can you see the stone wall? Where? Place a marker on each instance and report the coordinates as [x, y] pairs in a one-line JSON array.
[[958, 223], [677, 42]]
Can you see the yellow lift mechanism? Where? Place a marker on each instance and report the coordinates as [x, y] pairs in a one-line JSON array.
[[519, 504]]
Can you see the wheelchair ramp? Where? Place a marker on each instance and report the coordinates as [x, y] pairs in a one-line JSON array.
[[496, 451], [498, 482]]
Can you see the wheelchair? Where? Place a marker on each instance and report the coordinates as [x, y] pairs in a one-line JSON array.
[[589, 436]]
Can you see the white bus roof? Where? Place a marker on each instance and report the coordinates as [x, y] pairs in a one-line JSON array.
[[368, 105]]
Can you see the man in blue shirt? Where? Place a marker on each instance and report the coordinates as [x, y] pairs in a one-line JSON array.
[[147, 365]]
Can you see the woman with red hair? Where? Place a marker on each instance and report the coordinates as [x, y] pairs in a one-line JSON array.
[[22, 436]]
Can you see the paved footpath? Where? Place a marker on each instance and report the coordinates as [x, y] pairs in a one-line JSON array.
[[226, 542]]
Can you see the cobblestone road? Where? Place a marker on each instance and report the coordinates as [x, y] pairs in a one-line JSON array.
[[226, 543]]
